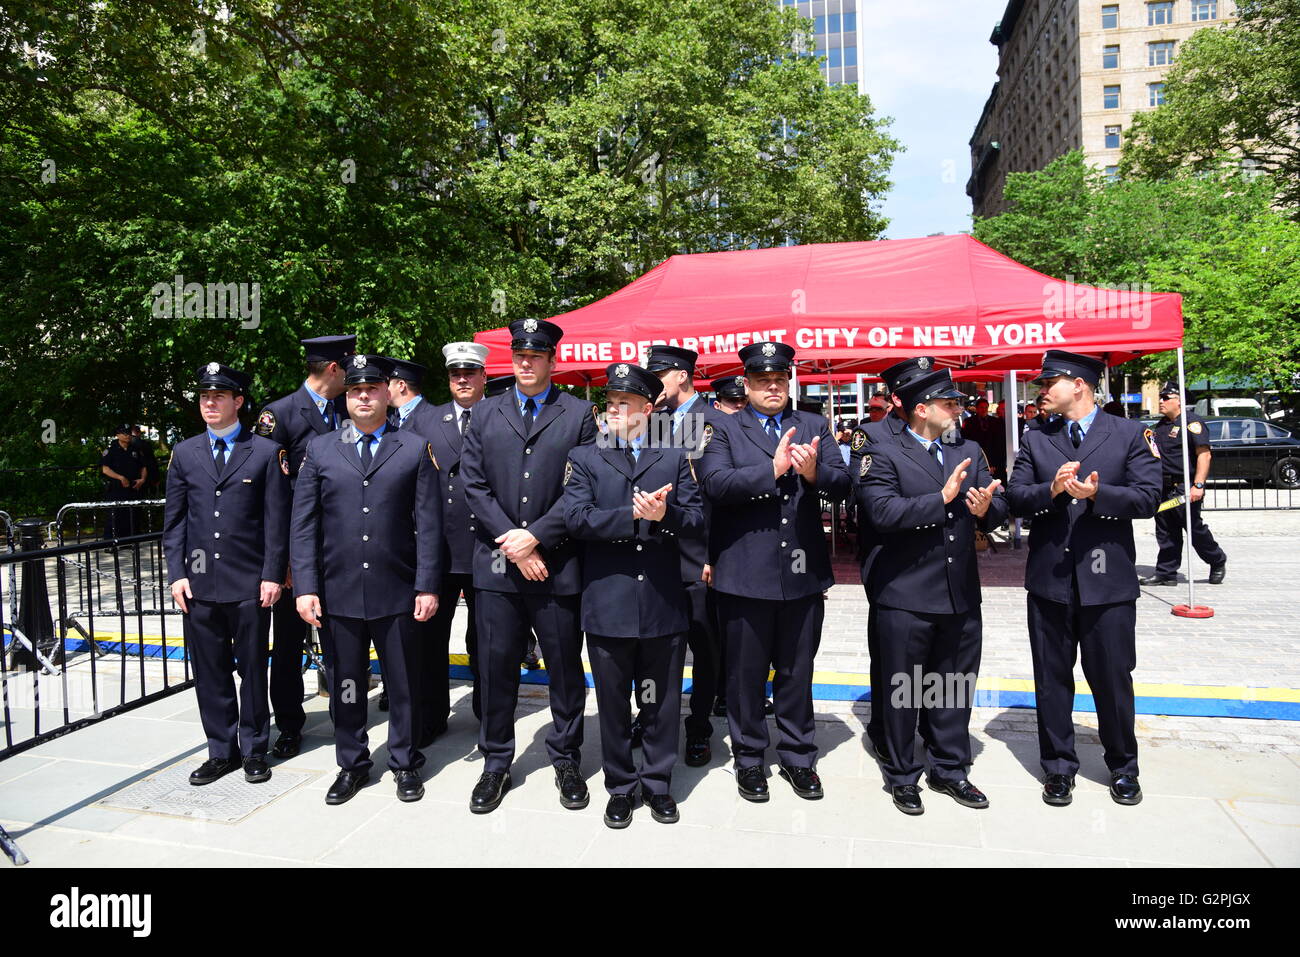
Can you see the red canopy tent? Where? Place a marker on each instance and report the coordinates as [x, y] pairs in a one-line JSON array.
[[851, 308]]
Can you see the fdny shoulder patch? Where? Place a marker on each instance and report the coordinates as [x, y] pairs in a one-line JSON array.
[[568, 471], [265, 423], [859, 441], [865, 467], [1149, 436], [708, 435], [283, 456], [428, 447]]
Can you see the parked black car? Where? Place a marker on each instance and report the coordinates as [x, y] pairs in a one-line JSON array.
[[1251, 451]]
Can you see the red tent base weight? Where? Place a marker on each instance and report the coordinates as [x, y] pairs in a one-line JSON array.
[[1193, 611]]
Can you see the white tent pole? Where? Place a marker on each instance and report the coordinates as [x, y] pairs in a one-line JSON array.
[[1011, 419], [1187, 480], [862, 407]]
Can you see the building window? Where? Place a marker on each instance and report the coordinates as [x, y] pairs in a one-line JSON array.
[[1205, 10], [835, 57], [1110, 16], [1160, 53], [1110, 57], [819, 24], [1110, 97], [850, 56], [1156, 94], [1160, 14], [850, 22], [833, 23], [1112, 137], [1112, 174]]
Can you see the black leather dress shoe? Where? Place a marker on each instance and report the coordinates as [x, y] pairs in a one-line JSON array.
[[720, 708], [1151, 580], [805, 782], [213, 769], [409, 785], [255, 769], [963, 792], [618, 812], [1057, 788], [573, 790], [768, 709], [287, 745], [907, 798], [664, 809], [638, 732], [383, 699], [1217, 573], [698, 752], [488, 792], [752, 783], [1124, 789], [345, 786]]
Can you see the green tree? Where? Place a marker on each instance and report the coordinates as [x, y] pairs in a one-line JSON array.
[[1217, 239], [411, 170], [1233, 89]]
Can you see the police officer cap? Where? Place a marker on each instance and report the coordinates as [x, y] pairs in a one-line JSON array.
[[937, 384], [412, 372], [663, 358], [1169, 388], [215, 376], [729, 387], [1057, 362], [364, 368], [535, 334], [329, 348], [767, 357], [625, 377], [500, 385], [465, 355], [122, 429], [901, 373]]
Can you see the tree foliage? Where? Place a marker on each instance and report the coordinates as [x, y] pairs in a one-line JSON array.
[[1232, 89], [411, 170], [1216, 238]]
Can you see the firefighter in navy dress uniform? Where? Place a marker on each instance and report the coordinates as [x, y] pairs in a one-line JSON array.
[[526, 571], [633, 504], [226, 541], [367, 559], [765, 471], [444, 426], [865, 434], [1171, 522], [316, 407], [1083, 478], [926, 490]]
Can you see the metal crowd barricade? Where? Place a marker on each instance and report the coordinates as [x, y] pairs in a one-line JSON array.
[[88, 633]]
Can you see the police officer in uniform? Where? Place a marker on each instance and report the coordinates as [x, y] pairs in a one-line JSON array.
[[124, 470], [764, 470], [1170, 522], [1083, 477], [880, 430], [729, 393], [686, 414], [445, 426], [633, 504], [226, 541], [367, 557], [526, 572], [925, 492], [316, 407]]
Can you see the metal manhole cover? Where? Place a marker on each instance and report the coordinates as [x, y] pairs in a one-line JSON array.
[[227, 801]]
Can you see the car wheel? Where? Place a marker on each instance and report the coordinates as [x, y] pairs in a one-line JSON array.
[[1286, 473]]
